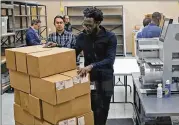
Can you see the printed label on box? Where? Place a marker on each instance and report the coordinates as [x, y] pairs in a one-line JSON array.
[[72, 121], [84, 79], [63, 122], [68, 83], [3, 24], [60, 85], [76, 79], [81, 121]]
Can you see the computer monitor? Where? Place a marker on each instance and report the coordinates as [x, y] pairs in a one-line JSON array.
[[167, 21]]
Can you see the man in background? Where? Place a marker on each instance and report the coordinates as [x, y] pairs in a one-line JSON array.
[[68, 26], [152, 30], [146, 22], [61, 38], [32, 37]]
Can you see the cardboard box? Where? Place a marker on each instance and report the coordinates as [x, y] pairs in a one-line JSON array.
[[24, 98], [16, 123], [58, 60], [36, 122], [22, 117], [10, 58], [30, 103], [81, 105], [86, 119], [17, 97], [20, 81], [41, 122], [54, 89], [71, 121], [17, 57], [35, 107], [21, 60], [81, 86], [56, 113]]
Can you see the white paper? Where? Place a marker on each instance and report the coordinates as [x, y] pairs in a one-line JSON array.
[[76, 79], [81, 121], [68, 83], [60, 85], [84, 79], [63, 122], [3, 24], [66, 122], [72, 121]]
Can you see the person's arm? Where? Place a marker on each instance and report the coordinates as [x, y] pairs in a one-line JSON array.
[[31, 39], [109, 60], [77, 46], [73, 41], [139, 35], [140, 30], [70, 28], [51, 42], [49, 38], [111, 54]]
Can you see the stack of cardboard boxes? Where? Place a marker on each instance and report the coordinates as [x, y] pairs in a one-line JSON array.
[[48, 90]]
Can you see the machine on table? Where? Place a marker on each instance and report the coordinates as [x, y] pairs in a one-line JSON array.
[[158, 59]]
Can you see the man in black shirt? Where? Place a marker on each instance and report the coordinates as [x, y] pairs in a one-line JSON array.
[[68, 26], [99, 48]]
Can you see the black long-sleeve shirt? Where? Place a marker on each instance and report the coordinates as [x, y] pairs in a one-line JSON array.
[[99, 51]]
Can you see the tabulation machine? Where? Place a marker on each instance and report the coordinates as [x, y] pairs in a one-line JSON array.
[[158, 58]]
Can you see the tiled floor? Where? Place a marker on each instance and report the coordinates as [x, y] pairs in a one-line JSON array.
[[7, 109], [116, 110], [121, 110]]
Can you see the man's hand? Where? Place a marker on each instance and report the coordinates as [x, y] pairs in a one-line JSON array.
[[50, 44], [53, 45], [84, 71]]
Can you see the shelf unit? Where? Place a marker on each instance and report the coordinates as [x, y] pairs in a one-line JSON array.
[[113, 21], [19, 19], [20, 15]]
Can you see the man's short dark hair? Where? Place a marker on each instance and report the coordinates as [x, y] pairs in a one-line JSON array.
[[156, 16], [94, 13], [146, 21], [35, 21], [58, 16]]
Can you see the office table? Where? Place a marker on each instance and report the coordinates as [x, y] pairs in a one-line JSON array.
[[124, 67], [3, 60], [153, 106]]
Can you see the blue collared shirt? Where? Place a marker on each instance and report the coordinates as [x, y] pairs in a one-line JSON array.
[[32, 37], [150, 31], [66, 39]]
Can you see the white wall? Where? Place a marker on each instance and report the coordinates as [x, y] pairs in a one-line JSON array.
[[134, 12]]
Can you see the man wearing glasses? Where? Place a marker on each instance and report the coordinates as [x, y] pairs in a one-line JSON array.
[[61, 38], [99, 48]]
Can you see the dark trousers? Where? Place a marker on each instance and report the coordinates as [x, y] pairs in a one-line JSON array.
[[100, 102]]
